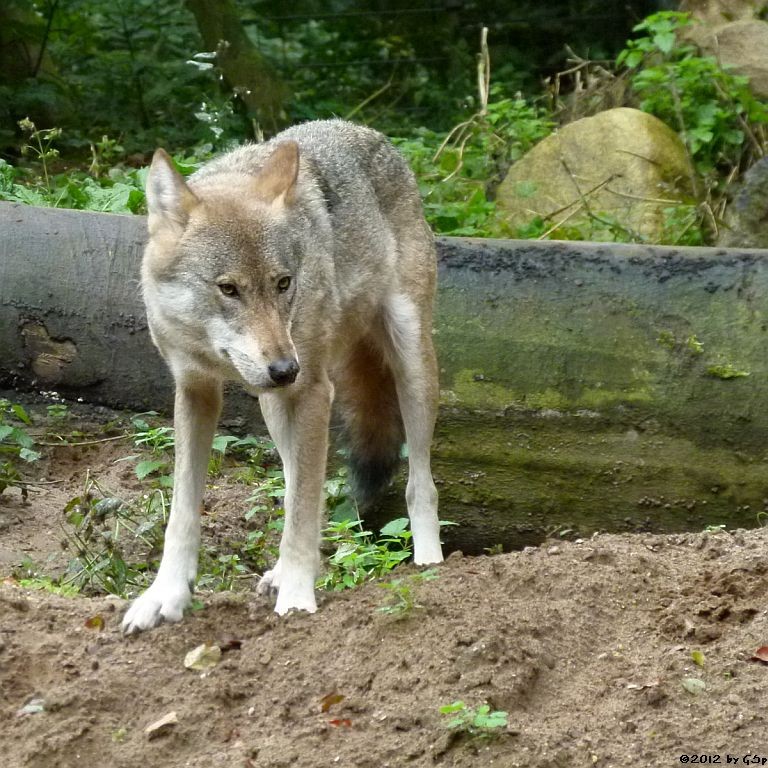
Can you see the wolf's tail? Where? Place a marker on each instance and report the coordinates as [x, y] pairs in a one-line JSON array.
[[366, 394]]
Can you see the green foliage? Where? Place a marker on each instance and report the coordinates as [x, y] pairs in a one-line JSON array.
[[136, 71], [478, 721], [402, 595], [359, 557], [156, 439], [120, 191], [29, 578], [455, 170], [713, 110], [16, 444], [117, 542], [58, 413]]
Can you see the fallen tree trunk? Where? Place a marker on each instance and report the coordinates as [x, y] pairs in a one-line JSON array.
[[584, 386], [71, 315]]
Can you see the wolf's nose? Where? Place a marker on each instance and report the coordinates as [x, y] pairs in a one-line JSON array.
[[283, 371]]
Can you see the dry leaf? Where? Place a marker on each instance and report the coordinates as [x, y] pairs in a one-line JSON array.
[[329, 700], [161, 726], [95, 622], [694, 686], [203, 657], [761, 654]]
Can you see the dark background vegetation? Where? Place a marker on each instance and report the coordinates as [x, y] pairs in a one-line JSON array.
[[122, 67], [89, 88]]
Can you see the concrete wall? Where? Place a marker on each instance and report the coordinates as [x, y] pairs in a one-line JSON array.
[[584, 386]]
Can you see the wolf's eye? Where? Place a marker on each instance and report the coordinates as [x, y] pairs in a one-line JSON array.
[[283, 284], [229, 289]]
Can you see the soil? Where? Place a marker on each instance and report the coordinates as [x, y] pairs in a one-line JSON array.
[[590, 646]]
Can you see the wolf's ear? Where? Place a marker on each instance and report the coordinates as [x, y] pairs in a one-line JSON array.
[[168, 196], [276, 181]]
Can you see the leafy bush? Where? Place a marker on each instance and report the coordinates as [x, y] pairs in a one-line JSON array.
[[456, 170], [714, 111]]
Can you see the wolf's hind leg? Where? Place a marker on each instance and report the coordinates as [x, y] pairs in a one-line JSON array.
[[196, 412], [367, 400], [413, 361]]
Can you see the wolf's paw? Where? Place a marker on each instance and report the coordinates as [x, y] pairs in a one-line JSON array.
[[295, 598], [158, 604], [295, 589], [428, 555], [269, 583]]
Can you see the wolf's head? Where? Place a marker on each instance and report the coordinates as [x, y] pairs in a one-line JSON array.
[[220, 268]]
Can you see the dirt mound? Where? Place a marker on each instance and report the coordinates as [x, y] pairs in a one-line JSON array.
[[615, 650], [586, 645]]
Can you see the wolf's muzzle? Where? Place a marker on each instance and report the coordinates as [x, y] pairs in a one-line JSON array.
[[283, 371]]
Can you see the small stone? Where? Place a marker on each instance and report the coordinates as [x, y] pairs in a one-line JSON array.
[[161, 726]]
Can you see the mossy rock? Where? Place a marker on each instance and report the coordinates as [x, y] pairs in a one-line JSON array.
[[619, 169]]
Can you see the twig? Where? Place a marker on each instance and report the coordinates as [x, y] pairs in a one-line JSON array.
[[591, 214], [484, 72], [643, 199], [33, 483], [85, 442], [369, 99], [461, 133], [561, 222], [589, 192]]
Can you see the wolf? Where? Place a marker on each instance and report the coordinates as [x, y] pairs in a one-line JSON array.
[[303, 269]]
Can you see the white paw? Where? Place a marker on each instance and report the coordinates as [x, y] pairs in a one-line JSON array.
[[296, 597], [295, 589], [428, 556], [427, 550], [158, 604], [269, 583]]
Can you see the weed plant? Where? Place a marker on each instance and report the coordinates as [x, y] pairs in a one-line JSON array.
[[17, 446], [478, 721]]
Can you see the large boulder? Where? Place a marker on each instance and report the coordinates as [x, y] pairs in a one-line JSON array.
[[717, 12], [741, 46], [620, 166], [746, 218]]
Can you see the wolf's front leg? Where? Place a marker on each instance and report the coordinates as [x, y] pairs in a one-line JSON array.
[[298, 422], [196, 413]]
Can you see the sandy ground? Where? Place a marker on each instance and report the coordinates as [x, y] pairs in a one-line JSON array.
[[617, 650]]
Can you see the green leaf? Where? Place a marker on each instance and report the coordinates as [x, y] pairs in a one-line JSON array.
[[220, 442], [448, 709], [395, 527], [664, 41], [698, 658], [27, 455], [145, 468], [21, 414]]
